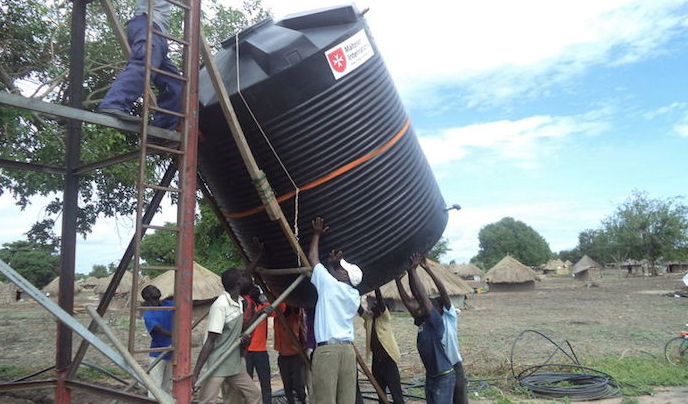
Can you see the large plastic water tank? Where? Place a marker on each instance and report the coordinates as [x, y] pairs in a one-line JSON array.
[[316, 85]]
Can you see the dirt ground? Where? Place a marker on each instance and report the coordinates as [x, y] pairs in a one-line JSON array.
[[617, 316]]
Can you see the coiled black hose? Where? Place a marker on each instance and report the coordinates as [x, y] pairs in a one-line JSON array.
[[582, 384]]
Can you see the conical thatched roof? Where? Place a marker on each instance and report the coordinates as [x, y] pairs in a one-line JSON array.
[[463, 270], [453, 283], [553, 265], [91, 282], [206, 284], [568, 264], [509, 270], [54, 286], [584, 264], [123, 287]]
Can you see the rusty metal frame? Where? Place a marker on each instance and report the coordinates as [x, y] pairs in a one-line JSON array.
[[76, 116]]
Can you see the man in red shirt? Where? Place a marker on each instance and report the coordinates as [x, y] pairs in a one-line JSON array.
[[256, 353], [291, 365]]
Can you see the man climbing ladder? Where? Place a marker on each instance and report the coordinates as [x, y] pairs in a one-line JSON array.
[[129, 84]]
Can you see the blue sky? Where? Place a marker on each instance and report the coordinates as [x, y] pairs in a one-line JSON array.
[[551, 112]]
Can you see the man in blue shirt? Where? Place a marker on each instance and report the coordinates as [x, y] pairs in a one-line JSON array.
[[334, 359], [439, 372], [159, 325], [450, 339]]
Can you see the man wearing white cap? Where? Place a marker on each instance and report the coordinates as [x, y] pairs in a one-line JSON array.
[[334, 359]]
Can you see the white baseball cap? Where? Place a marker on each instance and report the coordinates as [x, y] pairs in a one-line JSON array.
[[355, 273]]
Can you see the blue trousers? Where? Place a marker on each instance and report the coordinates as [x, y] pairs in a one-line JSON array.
[[440, 389], [128, 86]]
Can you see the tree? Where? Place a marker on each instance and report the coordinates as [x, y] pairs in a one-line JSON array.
[[34, 54], [646, 228], [38, 264], [440, 248], [100, 271], [213, 247], [509, 236]]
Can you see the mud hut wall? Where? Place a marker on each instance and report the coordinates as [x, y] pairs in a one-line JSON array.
[[512, 287]]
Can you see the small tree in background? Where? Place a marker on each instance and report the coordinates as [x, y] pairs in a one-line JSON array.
[[440, 249], [509, 236], [37, 263]]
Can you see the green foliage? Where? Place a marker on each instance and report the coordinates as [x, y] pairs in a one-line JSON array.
[[509, 236], [439, 249], [10, 372], [645, 228], [213, 248], [37, 263], [639, 373], [159, 249], [640, 228], [101, 271]]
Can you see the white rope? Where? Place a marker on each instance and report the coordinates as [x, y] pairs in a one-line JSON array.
[[274, 152]]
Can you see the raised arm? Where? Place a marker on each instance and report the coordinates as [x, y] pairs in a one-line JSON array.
[[380, 300], [438, 283], [409, 302], [418, 290], [318, 230]]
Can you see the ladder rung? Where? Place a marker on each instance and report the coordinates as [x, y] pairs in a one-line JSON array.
[[149, 350], [160, 188], [178, 4], [158, 268], [164, 149], [171, 38], [155, 308], [168, 74], [167, 111], [156, 227]]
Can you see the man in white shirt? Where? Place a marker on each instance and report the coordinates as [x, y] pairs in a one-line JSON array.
[[225, 323], [334, 359]]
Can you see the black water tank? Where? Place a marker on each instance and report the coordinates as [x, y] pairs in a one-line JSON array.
[[318, 87]]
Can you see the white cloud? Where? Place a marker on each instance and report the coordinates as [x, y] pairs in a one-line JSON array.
[[524, 140], [493, 50], [682, 128]]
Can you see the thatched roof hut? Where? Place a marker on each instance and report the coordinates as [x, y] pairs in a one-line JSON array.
[[123, 288], [552, 266], [54, 286], [586, 268], [90, 283], [468, 272], [456, 287], [206, 284], [509, 275]]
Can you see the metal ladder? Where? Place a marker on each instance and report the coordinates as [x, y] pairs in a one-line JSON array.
[[182, 189]]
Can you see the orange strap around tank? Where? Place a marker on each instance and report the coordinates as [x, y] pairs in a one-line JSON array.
[[333, 174]]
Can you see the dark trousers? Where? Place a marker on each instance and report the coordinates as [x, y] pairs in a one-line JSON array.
[[386, 374], [461, 388], [438, 390], [128, 86], [291, 369], [260, 361]]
